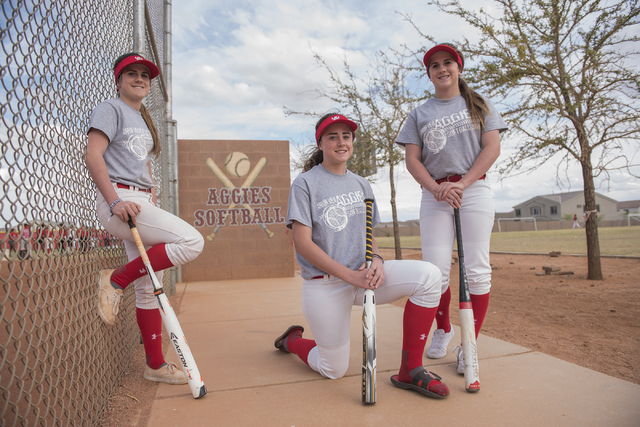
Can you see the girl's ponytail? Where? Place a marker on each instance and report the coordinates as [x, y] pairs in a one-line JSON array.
[[152, 129], [476, 104], [315, 158]]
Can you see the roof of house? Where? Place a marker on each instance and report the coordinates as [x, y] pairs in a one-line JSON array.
[[629, 204], [499, 215], [561, 198], [557, 198]]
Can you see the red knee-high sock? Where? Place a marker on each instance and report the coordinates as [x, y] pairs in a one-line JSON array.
[[150, 324], [416, 325], [135, 269], [299, 346], [442, 315], [480, 305]]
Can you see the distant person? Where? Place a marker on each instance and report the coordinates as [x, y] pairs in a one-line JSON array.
[[122, 143], [451, 141], [575, 221], [327, 216]]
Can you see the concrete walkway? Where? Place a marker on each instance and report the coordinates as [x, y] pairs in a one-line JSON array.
[[231, 326]]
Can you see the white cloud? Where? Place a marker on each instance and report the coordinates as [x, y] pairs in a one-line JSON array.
[[237, 64]]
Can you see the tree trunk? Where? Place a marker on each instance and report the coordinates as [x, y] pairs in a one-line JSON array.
[[591, 224], [394, 214]]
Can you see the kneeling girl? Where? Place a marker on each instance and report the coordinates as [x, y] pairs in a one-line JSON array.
[[327, 217]]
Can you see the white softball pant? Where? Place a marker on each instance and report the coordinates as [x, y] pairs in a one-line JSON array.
[[437, 231], [155, 226], [327, 308]]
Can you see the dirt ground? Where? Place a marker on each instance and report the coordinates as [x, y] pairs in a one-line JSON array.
[[594, 324]]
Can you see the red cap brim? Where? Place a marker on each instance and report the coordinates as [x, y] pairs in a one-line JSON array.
[[333, 120], [442, 48], [137, 59]]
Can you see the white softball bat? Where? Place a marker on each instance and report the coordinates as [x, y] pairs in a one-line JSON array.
[[171, 324]]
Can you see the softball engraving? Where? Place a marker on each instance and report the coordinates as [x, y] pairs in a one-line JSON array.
[[247, 183], [237, 164]]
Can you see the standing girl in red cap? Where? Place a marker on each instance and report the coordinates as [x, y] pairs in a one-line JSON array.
[[451, 141], [122, 143], [327, 215]]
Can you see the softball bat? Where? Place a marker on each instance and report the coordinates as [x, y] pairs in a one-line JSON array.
[[467, 327], [369, 389], [171, 324]]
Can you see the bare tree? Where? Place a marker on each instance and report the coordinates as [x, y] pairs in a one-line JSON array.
[[379, 102], [562, 70]]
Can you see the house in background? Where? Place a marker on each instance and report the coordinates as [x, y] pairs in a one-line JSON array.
[[555, 206], [630, 207]]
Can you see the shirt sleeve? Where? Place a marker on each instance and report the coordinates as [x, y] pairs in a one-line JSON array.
[[410, 133], [299, 208], [493, 120], [104, 118]]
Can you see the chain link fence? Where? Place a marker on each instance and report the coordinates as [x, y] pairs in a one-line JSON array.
[[58, 362]]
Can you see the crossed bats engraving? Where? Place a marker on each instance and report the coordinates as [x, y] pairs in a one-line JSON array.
[[229, 185]]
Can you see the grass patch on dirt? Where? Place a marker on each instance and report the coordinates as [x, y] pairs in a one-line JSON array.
[[613, 241]]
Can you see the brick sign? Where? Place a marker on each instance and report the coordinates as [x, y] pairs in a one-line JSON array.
[[235, 193]]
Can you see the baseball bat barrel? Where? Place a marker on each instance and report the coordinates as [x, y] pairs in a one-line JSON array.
[[254, 174], [218, 173], [467, 327], [171, 324], [369, 389], [465, 297]]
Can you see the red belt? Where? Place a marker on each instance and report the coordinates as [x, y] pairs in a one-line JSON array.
[[132, 187], [326, 277], [455, 178]]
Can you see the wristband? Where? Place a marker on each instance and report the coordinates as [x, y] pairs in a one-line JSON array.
[[378, 256], [113, 205]]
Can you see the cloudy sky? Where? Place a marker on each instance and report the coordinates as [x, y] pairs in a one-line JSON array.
[[237, 64]]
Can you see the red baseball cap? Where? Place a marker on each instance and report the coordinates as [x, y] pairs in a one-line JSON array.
[[137, 59], [332, 120], [442, 48]]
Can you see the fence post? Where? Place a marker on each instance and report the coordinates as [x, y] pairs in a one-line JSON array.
[[172, 138], [138, 26]]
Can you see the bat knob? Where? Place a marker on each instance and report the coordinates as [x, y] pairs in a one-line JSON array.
[[210, 237], [270, 234]]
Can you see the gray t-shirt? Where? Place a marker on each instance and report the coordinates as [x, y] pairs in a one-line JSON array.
[[130, 141], [333, 206], [450, 140]]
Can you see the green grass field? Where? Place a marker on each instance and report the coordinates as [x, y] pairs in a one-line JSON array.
[[613, 241]]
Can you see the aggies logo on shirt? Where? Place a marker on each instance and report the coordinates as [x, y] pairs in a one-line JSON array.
[[336, 210], [139, 143]]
